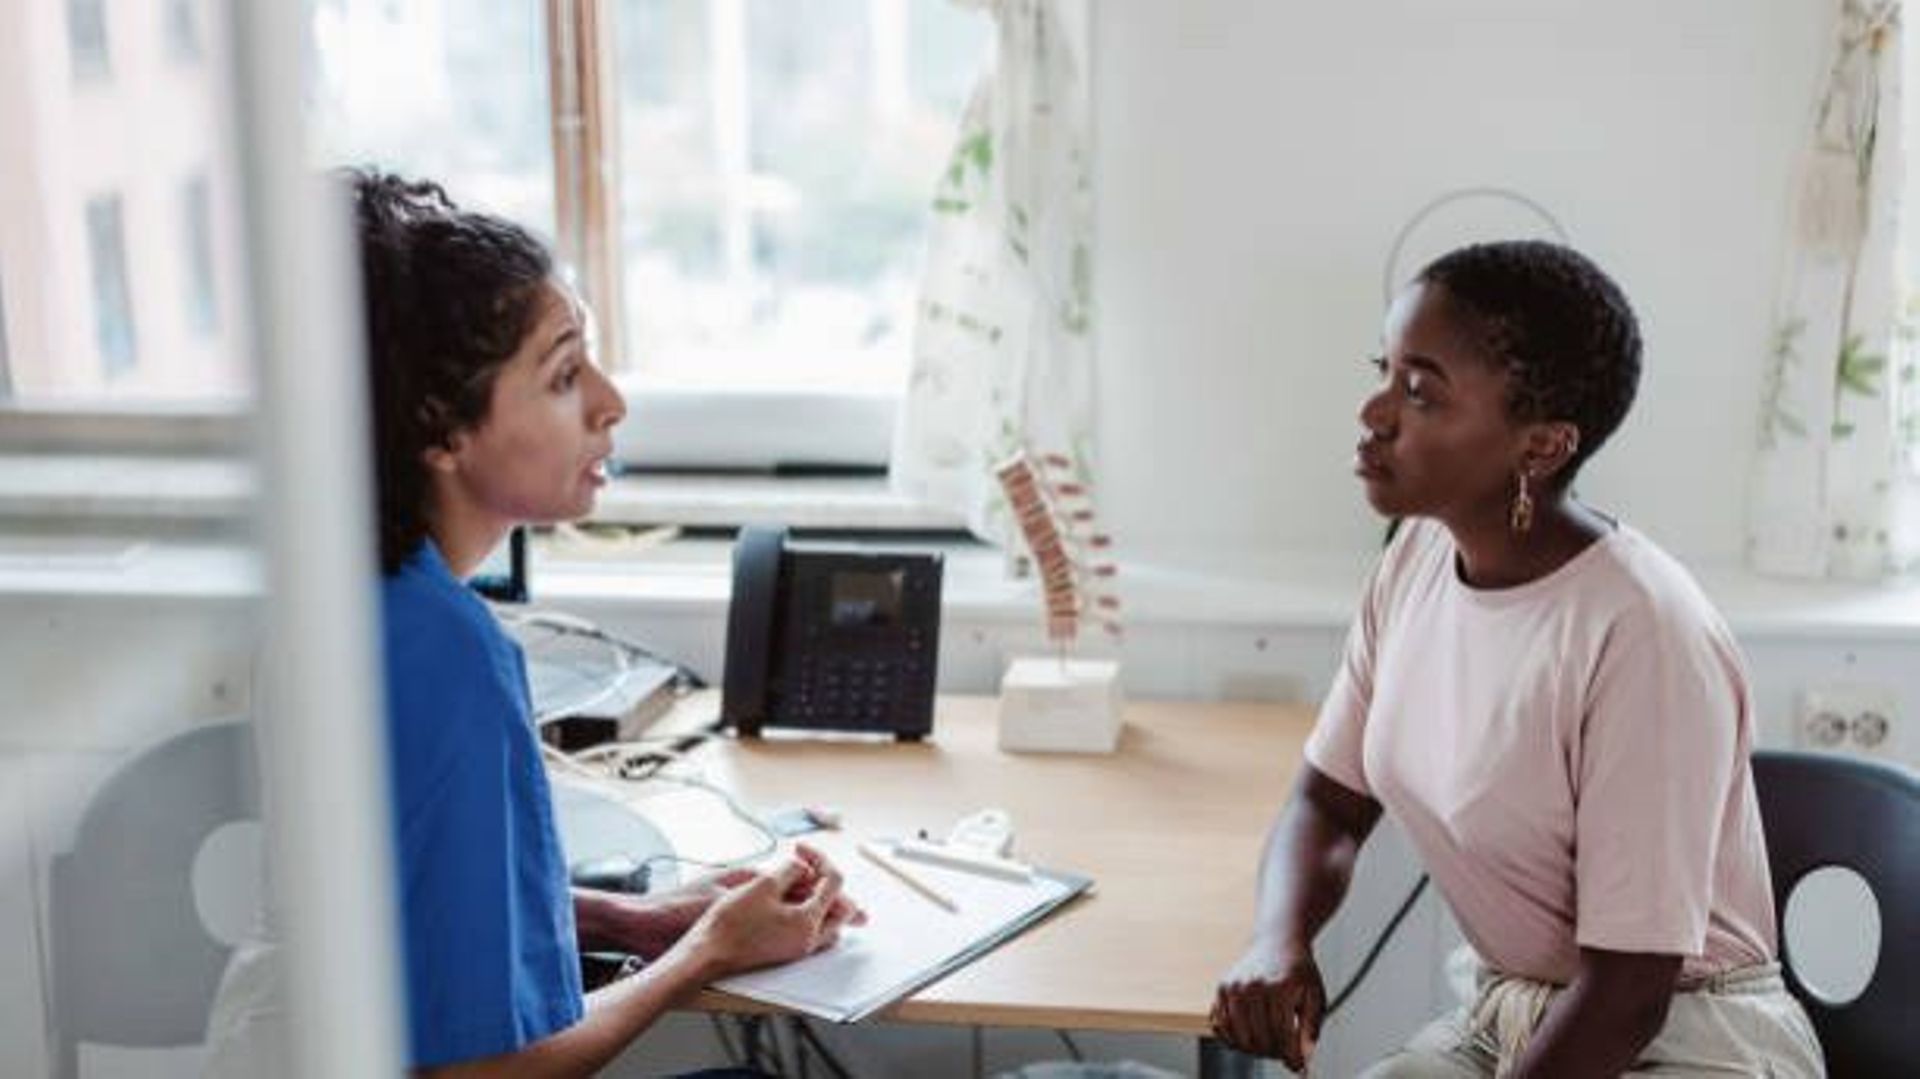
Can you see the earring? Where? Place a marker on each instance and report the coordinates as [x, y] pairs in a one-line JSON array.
[[1520, 518]]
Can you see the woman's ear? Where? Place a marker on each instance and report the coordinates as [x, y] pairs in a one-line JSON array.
[[1548, 448], [445, 458]]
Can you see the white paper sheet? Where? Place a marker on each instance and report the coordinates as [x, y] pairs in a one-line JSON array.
[[908, 940]]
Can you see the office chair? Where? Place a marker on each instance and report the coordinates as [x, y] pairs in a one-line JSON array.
[[131, 963], [1819, 811]]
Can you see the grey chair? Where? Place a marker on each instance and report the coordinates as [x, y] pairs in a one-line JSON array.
[[1821, 810], [130, 962]]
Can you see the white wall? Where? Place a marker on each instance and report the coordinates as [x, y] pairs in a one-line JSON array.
[[1254, 161]]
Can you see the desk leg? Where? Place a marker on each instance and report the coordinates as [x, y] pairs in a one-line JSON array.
[[1219, 1062]]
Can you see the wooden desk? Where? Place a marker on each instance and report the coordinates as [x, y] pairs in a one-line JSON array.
[[1169, 827]]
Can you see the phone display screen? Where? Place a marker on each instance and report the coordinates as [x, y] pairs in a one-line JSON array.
[[859, 600]]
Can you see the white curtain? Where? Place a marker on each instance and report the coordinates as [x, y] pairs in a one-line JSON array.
[[1001, 351], [1833, 493]]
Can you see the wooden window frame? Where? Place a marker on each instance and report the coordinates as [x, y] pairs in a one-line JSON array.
[[583, 97]]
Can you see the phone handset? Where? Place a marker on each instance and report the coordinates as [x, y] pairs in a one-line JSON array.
[[750, 627]]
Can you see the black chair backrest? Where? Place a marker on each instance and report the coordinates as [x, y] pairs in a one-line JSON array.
[[1821, 810]]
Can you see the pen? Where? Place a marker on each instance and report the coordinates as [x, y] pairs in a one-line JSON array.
[[987, 865], [892, 865]]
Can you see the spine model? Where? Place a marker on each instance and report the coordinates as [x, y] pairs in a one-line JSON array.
[[1055, 515]]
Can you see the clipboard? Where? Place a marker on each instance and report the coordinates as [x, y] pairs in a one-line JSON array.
[[909, 941]]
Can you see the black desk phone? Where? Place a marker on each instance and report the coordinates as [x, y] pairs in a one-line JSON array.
[[833, 638]]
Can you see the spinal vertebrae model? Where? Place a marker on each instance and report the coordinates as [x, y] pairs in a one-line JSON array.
[[1055, 514]]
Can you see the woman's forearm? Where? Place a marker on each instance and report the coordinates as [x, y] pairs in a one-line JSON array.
[[615, 1016], [643, 925], [1603, 1021], [1309, 858]]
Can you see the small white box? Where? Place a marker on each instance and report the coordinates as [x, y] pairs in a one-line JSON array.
[[1050, 705]]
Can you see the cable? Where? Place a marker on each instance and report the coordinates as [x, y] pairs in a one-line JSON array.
[[769, 839], [640, 757], [812, 1040], [1379, 944], [1073, 1049], [726, 1043], [1390, 276], [784, 1060], [569, 625], [566, 761], [796, 1051], [750, 1037]]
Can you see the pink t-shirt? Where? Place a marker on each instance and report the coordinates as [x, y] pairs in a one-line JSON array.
[[1569, 756]]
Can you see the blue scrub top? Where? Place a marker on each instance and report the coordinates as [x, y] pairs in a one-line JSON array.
[[492, 962]]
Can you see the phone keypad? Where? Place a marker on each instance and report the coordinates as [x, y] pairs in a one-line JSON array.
[[856, 691]]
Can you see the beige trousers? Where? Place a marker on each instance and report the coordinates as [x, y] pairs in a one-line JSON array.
[[1740, 1023]]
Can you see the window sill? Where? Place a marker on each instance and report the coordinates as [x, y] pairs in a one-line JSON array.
[[52, 504], [110, 569], [203, 426], [705, 500], [692, 428], [72, 489], [1227, 589], [692, 576], [62, 488]]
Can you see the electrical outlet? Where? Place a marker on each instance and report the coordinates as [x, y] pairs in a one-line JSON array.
[[1847, 718]]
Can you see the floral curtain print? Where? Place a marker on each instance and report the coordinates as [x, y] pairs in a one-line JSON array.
[[1001, 354], [1834, 487]]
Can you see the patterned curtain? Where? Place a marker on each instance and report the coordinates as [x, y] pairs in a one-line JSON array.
[[1001, 353], [1834, 490]]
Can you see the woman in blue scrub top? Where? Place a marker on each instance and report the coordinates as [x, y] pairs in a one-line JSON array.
[[490, 412]]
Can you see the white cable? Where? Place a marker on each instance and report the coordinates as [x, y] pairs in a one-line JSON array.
[[608, 773], [572, 625]]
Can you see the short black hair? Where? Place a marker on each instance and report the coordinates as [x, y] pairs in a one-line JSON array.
[[1560, 327], [449, 295]]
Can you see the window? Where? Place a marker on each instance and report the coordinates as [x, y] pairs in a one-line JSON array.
[[87, 39], [777, 160], [203, 311], [112, 305], [761, 174], [455, 90], [119, 220]]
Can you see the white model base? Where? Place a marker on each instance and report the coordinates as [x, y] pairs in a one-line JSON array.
[[1050, 705]]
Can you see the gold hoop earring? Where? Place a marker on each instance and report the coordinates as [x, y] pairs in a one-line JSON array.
[[1520, 518]]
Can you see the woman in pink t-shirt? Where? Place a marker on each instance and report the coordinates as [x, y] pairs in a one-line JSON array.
[[1548, 706]]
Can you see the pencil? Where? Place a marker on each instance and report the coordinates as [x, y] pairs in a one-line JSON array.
[[892, 865]]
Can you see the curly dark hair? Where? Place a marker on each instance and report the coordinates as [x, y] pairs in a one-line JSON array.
[[449, 294], [1560, 327]]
